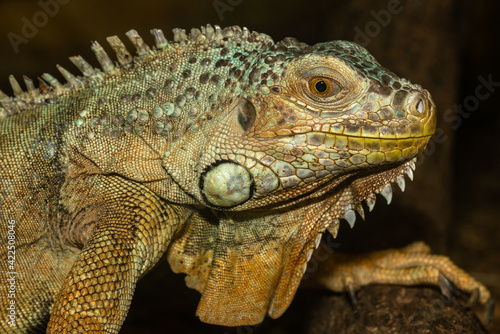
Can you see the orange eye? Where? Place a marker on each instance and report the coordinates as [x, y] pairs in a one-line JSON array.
[[323, 87]]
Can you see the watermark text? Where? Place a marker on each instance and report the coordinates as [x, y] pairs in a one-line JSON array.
[[30, 26], [11, 272]]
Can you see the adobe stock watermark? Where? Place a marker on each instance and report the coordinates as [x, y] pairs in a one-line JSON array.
[[11, 273], [222, 6], [31, 26], [461, 111], [382, 19]]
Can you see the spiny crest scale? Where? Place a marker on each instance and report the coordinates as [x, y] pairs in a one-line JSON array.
[[50, 87]]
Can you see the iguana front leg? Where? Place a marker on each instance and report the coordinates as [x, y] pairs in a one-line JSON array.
[[410, 265], [128, 238]]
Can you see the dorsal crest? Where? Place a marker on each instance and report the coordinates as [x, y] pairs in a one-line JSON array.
[[50, 87]]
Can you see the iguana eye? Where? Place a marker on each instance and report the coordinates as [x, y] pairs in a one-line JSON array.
[[323, 87]]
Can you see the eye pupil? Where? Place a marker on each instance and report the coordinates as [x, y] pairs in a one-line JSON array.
[[321, 86]]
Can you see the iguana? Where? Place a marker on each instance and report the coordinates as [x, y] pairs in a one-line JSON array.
[[225, 152]]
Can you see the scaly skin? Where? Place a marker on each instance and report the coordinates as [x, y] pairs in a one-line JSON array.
[[226, 152]]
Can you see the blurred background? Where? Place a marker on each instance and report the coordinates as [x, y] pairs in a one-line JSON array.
[[449, 47]]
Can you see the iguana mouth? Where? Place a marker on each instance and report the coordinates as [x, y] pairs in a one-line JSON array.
[[374, 180]]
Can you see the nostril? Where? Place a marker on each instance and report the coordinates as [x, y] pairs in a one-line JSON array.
[[420, 106]]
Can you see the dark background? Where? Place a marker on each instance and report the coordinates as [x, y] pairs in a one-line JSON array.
[[446, 46]]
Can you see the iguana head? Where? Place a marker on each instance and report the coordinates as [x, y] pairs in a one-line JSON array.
[[308, 117], [306, 134]]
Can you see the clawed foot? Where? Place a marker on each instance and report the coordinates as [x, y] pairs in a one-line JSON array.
[[411, 265]]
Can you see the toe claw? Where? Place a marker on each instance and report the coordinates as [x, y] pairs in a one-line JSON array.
[[446, 286], [352, 295], [474, 297], [449, 290], [489, 311]]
